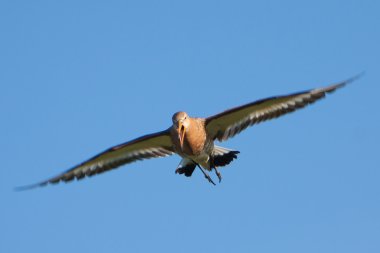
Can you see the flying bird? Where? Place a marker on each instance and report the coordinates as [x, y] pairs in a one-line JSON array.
[[193, 139]]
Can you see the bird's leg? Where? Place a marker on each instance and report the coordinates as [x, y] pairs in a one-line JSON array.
[[218, 174], [206, 175], [212, 166]]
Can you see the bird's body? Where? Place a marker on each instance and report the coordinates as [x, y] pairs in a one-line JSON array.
[[197, 144], [196, 139], [193, 138]]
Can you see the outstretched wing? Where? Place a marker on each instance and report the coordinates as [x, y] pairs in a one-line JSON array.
[[231, 122], [148, 146]]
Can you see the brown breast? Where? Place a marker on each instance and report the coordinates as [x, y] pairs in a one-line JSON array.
[[195, 138]]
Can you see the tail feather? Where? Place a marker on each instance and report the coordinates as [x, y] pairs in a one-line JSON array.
[[220, 157], [224, 156], [186, 167]]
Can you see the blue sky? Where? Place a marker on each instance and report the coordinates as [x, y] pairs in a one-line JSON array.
[[80, 76]]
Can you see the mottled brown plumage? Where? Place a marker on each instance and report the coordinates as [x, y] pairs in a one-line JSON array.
[[193, 138]]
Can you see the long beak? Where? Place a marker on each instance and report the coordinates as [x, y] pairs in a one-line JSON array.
[[181, 133]]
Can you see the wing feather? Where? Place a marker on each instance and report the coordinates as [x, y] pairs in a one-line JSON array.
[[227, 124], [146, 147]]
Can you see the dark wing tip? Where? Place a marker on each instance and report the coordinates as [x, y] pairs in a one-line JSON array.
[[29, 187], [356, 77], [332, 88], [54, 180], [348, 81]]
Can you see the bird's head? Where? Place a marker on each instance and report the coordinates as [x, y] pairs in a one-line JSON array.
[[181, 123]]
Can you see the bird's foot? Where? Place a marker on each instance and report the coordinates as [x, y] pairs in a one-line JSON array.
[[207, 176], [212, 166], [219, 175]]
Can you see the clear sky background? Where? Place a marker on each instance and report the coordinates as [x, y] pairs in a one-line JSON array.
[[80, 76]]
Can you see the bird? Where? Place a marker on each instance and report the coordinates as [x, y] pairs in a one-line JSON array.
[[193, 139]]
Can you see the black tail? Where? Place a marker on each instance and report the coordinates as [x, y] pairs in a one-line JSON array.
[[188, 169], [218, 161], [224, 159]]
